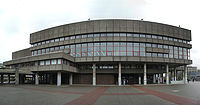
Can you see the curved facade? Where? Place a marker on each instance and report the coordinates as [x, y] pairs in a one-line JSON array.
[[106, 52]]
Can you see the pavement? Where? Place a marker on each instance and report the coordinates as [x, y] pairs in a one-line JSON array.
[[187, 94]]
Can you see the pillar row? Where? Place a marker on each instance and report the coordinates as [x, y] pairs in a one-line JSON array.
[[36, 79], [70, 79], [17, 76], [185, 72]]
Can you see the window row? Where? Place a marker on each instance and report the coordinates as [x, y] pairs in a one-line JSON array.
[[117, 49], [53, 62], [111, 35]]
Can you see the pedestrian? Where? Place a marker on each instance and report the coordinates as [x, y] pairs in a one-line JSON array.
[[193, 80], [188, 80], [124, 81]]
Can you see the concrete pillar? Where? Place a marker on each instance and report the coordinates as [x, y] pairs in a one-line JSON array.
[[36, 79], [140, 80], [58, 78], [17, 76], [1, 78], [145, 74], [167, 74], [94, 74], [185, 72], [154, 78], [175, 74], [158, 78], [70, 78], [119, 75], [9, 78]]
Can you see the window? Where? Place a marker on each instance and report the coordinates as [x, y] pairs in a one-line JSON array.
[[165, 38], [56, 40], [90, 35], [57, 48], [109, 49], [39, 52], [59, 61], [136, 35], [109, 34], [160, 37], [148, 54], [52, 41], [175, 40], [90, 49], [103, 34], [116, 34], [78, 36], [170, 39], [53, 61], [43, 42], [66, 38], [154, 45], [96, 35], [47, 50], [43, 51], [52, 49], [72, 37], [47, 42], [61, 39], [154, 54], [129, 35], [154, 37], [160, 46], [142, 36], [41, 62], [160, 55], [67, 46], [35, 52], [84, 36], [39, 44], [180, 40], [84, 50], [47, 62], [122, 34], [62, 47], [148, 36]]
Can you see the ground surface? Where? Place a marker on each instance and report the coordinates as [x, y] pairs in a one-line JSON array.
[[188, 94]]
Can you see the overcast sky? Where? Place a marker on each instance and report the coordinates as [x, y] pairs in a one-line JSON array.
[[19, 18]]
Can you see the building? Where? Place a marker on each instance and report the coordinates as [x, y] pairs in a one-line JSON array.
[[112, 51]]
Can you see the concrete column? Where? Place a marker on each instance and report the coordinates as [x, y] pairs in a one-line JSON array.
[[9, 78], [154, 78], [94, 74], [158, 78], [119, 74], [1, 78], [185, 76], [58, 78], [70, 78], [36, 79], [145, 74], [140, 80], [167, 74], [17, 76], [175, 74]]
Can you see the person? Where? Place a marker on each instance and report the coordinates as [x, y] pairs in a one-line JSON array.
[[188, 80], [124, 81], [193, 80]]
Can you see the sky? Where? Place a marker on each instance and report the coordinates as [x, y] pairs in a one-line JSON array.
[[19, 18]]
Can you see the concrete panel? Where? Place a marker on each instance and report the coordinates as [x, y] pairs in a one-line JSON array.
[[90, 27], [149, 59], [102, 38], [123, 38], [116, 38], [148, 27], [129, 25], [83, 39], [116, 26], [96, 58], [96, 39], [133, 59], [142, 27], [83, 59], [116, 58], [109, 39], [106, 58], [143, 59], [124, 58], [71, 29], [154, 28], [142, 39], [78, 40], [175, 32], [83, 27], [136, 26], [122, 25], [89, 59], [165, 30], [71, 41], [89, 39], [160, 29], [77, 28], [109, 26], [103, 26], [96, 26], [65, 30]]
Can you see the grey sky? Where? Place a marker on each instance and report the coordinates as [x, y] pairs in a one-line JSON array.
[[19, 18]]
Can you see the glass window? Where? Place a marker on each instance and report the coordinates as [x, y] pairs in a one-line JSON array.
[[57, 48], [84, 36], [59, 61], [116, 34], [180, 40], [62, 47], [35, 44], [175, 40], [96, 35], [39, 44], [142, 36], [154, 37], [160, 55], [109, 34], [165, 55], [148, 36], [90, 49], [43, 51], [52, 41], [56, 40], [66, 46], [52, 49], [148, 45], [53, 61], [47, 42], [35, 52], [154, 54], [61, 39], [154, 45], [103, 34], [72, 37], [41, 62], [160, 37], [160, 46], [43, 42], [136, 35], [39, 52], [165, 38], [66, 38], [165, 46], [78, 36], [90, 35], [184, 41], [148, 54], [47, 50], [47, 62], [129, 35], [122, 34], [170, 39]]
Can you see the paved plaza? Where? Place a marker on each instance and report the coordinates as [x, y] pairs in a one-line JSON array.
[[188, 94]]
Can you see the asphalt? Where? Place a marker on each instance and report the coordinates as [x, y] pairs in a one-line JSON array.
[[187, 94]]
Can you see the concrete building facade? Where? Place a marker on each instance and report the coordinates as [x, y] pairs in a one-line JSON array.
[[112, 51]]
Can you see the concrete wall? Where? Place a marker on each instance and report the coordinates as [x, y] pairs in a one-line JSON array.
[[21, 53], [111, 25]]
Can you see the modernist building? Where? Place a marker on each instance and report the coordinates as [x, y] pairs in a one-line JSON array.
[[111, 51]]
